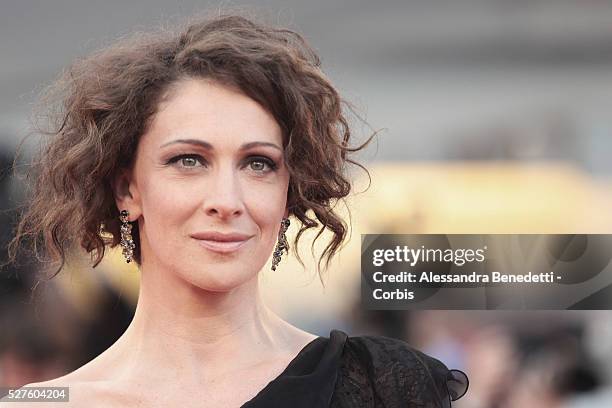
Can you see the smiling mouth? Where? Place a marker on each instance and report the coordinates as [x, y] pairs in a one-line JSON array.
[[222, 247]]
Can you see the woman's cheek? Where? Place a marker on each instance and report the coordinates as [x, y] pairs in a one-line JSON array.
[[268, 200], [168, 200]]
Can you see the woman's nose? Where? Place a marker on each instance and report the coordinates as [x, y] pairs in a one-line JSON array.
[[223, 198]]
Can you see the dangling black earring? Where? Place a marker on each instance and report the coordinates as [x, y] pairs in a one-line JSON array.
[[127, 242], [282, 244]]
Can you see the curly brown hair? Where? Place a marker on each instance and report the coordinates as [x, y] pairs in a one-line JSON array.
[[107, 100]]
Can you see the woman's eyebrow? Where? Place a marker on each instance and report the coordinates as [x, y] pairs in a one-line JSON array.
[[208, 146], [256, 144], [197, 142]]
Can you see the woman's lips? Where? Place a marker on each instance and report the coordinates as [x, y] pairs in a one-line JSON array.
[[221, 242], [222, 247]]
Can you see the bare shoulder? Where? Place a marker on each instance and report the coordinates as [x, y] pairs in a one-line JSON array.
[[88, 394], [87, 386], [10, 400]]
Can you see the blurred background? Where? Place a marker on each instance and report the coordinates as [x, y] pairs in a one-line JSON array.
[[495, 117]]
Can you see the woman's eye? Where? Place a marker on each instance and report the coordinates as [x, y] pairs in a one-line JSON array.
[[258, 165], [187, 160], [262, 165]]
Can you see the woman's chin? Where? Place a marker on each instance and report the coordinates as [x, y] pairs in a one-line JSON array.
[[220, 282]]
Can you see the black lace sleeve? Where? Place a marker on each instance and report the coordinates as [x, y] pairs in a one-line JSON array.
[[379, 372]]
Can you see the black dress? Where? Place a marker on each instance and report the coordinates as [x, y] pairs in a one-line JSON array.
[[362, 371]]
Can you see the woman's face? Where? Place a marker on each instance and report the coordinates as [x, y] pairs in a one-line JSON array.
[[209, 186]]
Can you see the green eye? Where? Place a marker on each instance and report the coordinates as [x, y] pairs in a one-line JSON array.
[[189, 162], [261, 164], [258, 165]]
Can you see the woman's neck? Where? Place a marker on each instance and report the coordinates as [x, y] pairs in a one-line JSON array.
[[180, 329]]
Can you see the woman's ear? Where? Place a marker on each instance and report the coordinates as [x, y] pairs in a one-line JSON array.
[[127, 196]]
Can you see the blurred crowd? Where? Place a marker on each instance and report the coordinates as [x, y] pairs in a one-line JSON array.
[[552, 359]]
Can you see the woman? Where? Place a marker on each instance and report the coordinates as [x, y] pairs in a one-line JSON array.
[[206, 144]]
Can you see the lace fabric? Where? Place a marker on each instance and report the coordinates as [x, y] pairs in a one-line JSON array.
[[381, 372], [361, 372]]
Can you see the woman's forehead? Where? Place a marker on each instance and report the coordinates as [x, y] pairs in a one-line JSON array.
[[198, 108]]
